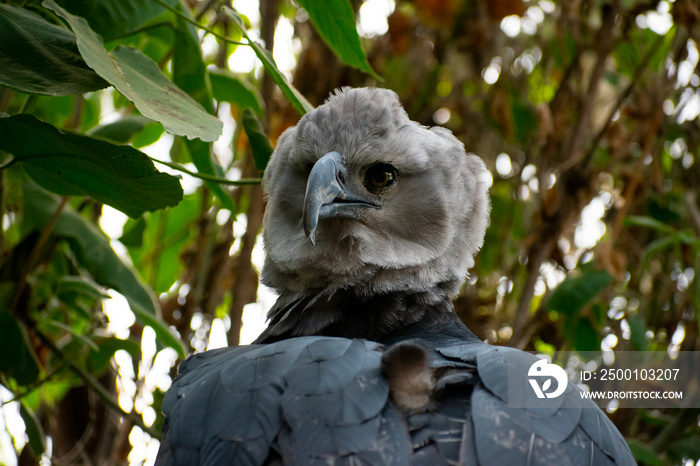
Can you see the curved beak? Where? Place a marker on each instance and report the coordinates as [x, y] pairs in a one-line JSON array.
[[327, 194]]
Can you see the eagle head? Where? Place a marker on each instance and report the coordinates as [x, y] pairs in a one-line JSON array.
[[361, 196]]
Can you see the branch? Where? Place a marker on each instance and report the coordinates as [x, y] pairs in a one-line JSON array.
[[580, 156]]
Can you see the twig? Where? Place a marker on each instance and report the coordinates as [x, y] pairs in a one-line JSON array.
[[33, 386], [580, 155], [204, 176], [196, 24], [536, 258]]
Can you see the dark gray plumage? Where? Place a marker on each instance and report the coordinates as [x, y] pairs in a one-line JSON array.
[[372, 224]]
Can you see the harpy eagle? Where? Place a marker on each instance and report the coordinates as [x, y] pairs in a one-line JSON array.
[[371, 225]]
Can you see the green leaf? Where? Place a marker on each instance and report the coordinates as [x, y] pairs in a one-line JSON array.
[[106, 347], [524, 117], [190, 74], [575, 292], [657, 246], [189, 70], [17, 359], [685, 447], [586, 338], [335, 22], [148, 135], [138, 78], [644, 454], [77, 337], [133, 233], [638, 333], [71, 164], [648, 222], [165, 233], [297, 100], [32, 427], [39, 57], [227, 87], [115, 18], [70, 286], [93, 251], [259, 143], [122, 130]]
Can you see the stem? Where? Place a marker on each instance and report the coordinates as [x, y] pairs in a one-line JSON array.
[[92, 383], [157, 247], [203, 176], [173, 165], [196, 24], [145, 28], [34, 385]]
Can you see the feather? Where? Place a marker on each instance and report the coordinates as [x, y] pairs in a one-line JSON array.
[[364, 360]]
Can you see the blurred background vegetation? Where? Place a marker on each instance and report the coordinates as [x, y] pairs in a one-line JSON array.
[[586, 113]]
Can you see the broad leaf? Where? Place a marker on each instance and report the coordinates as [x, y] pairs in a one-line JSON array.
[[155, 243], [71, 164], [190, 74], [138, 78], [32, 427], [586, 338], [259, 143], [115, 18], [122, 130], [39, 57], [335, 22], [297, 100], [638, 331], [132, 236], [649, 222], [94, 253], [575, 292], [644, 454], [227, 87], [189, 70], [70, 286], [17, 359]]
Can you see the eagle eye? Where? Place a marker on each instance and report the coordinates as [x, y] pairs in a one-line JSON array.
[[379, 177]]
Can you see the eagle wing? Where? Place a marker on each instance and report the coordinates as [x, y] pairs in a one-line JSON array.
[[326, 400]]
